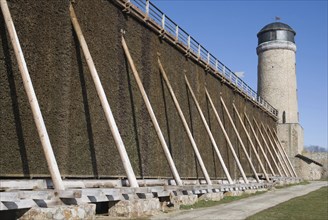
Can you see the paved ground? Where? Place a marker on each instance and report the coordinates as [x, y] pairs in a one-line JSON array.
[[246, 207]]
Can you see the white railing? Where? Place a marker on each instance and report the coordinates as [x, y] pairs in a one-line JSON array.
[[180, 36]]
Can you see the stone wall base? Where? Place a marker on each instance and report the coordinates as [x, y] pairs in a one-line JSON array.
[[183, 200], [85, 211], [234, 193], [211, 196], [250, 191], [313, 171], [135, 208]]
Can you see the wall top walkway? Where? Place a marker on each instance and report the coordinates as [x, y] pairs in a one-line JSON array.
[[170, 30]]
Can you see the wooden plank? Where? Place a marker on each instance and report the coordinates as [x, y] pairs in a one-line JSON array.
[[38, 194], [9, 196], [8, 184], [21, 204]]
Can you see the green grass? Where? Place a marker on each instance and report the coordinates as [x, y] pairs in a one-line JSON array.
[[305, 182], [209, 203], [313, 206]]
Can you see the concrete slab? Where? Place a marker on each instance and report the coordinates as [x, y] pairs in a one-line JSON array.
[[246, 207]]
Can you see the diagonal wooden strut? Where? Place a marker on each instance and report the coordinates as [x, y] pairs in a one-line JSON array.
[[267, 146], [283, 150], [275, 151], [282, 160], [237, 134], [152, 115], [259, 144], [104, 102], [209, 132], [226, 135], [252, 144], [185, 124], [33, 101]]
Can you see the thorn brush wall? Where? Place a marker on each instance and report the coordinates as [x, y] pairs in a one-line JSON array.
[[76, 124]]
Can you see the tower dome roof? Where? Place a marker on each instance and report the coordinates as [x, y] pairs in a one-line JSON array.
[[276, 26], [276, 31]]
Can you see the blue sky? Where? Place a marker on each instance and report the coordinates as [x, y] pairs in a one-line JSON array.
[[228, 30]]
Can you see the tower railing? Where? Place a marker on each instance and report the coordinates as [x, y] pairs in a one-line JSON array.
[[168, 27]]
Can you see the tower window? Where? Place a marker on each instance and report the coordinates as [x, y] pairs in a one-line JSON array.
[[284, 117]]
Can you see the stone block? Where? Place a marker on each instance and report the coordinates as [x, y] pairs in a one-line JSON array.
[[250, 191], [135, 208], [85, 211], [211, 196], [262, 190], [183, 200], [233, 193]]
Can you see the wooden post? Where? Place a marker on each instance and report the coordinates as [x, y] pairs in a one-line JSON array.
[[209, 132], [273, 147], [33, 101], [152, 115], [259, 143], [283, 150], [185, 124], [236, 131], [104, 102], [226, 136], [252, 144], [267, 146]]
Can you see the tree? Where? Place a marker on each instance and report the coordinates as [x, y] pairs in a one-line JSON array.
[[315, 148]]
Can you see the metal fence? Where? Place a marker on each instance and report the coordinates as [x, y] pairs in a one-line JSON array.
[[169, 27]]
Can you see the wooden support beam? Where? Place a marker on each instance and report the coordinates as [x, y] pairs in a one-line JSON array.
[[259, 144], [226, 135], [33, 101], [236, 132], [268, 148], [252, 144], [104, 102], [152, 115], [209, 132], [284, 152], [275, 153], [274, 145], [185, 124], [277, 147]]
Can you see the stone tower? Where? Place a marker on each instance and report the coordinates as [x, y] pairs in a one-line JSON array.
[[276, 52]]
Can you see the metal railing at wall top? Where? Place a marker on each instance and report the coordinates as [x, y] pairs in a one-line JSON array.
[[169, 27]]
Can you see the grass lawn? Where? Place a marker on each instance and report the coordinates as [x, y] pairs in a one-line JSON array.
[[311, 206]]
